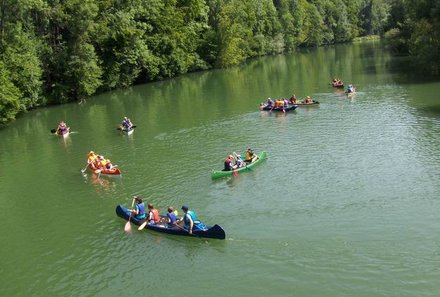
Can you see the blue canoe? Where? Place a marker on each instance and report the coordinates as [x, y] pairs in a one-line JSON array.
[[209, 232]]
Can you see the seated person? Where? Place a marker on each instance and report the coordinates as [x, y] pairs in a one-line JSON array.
[[126, 123], [293, 99], [250, 156], [153, 215], [171, 219], [308, 100], [228, 166], [139, 210], [350, 89], [269, 102], [62, 128], [238, 161]]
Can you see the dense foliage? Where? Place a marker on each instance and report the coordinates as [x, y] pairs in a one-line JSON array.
[[55, 51], [415, 29]]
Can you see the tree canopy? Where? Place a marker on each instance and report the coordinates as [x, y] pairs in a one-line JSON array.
[[56, 51]]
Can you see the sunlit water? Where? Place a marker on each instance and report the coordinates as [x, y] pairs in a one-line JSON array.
[[345, 205]]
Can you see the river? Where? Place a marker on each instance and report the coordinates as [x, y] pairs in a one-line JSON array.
[[347, 203]]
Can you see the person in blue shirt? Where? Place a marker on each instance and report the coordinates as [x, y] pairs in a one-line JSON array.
[[171, 217], [139, 208], [188, 218]]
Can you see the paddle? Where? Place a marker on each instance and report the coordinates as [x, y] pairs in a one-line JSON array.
[[141, 227], [127, 227], [234, 172], [53, 131], [177, 224], [85, 168]]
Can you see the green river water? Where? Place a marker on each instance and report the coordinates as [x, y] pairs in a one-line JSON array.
[[347, 203]]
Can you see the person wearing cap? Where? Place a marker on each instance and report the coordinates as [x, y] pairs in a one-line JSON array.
[[139, 208], [250, 157], [228, 165], [189, 219]]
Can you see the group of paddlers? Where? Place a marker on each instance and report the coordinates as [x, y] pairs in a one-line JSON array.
[[151, 216], [235, 161], [336, 82], [98, 161], [284, 103]]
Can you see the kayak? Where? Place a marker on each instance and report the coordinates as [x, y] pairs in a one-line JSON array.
[[206, 231], [248, 167], [113, 171], [314, 103], [266, 107]]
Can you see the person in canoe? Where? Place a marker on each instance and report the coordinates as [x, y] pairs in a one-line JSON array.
[[190, 220], [102, 162], [238, 160], [92, 158], [269, 102], [250, 157], [351, 89], [293, 99], [228, 164], [309, 100], [153, 215], [127, 124], [62, 128], [139, 208], [171, 219]]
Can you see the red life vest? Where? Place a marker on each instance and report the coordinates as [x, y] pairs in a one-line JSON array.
[[155, 215]]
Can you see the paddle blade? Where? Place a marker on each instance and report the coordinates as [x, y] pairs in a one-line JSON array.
[[53, 130], [235, 173], [127, 227], [141, 227]]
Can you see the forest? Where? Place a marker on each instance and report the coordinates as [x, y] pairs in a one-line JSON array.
[[57, 51]]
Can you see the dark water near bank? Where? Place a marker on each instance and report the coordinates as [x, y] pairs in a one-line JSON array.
[[346, 204]]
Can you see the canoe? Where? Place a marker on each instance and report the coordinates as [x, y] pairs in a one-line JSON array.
[[208, 232], [113, 171], [221, 173], [314, 103], [126, 131], [266, 107], [64, 133]]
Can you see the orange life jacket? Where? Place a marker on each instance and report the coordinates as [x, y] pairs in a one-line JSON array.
[[155, 215]]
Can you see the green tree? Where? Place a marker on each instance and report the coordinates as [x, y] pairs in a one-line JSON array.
[[9, 97]]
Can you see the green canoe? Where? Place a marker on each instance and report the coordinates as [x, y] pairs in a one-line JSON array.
[[218, 174]]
